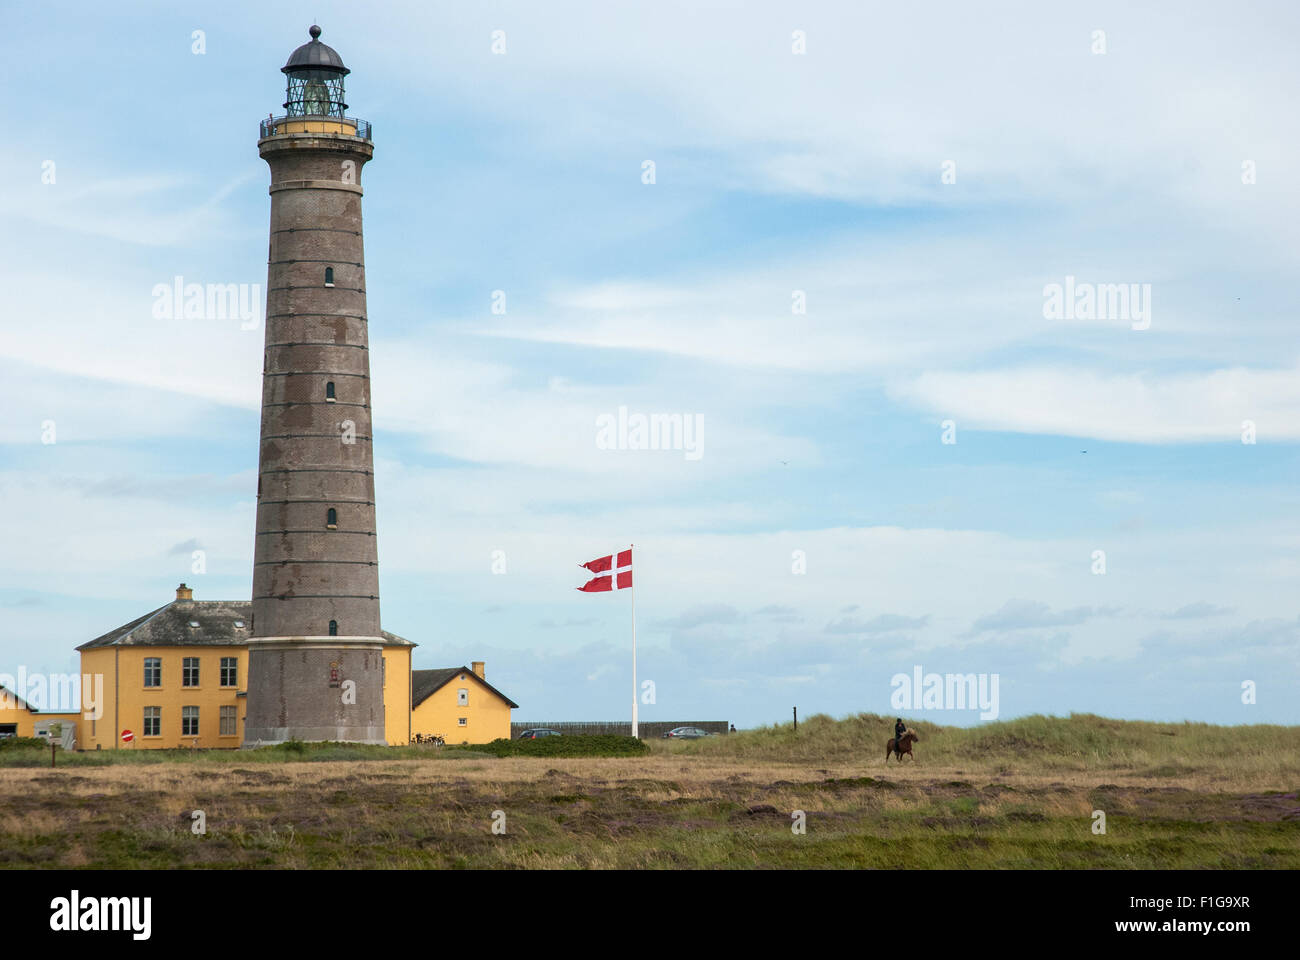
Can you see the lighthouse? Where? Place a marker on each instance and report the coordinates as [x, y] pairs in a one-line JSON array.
[[315, 665]]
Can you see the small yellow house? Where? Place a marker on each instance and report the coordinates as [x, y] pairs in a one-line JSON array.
[[16, 717], [177, 677], [20, 719], [459, 705]]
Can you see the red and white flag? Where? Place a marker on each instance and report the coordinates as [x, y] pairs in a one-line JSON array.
[[614, 572], [609, 573]]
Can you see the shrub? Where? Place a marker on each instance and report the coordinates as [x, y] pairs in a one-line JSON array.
[[580, 745]]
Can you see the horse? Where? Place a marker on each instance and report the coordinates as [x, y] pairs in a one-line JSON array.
[[900, 747]]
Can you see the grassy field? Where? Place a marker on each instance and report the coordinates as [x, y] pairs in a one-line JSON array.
[[1015, 794]]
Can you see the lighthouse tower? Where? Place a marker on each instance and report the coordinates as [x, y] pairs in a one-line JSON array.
[[315, 665]]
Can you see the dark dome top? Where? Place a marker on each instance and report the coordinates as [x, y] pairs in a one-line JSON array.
[[315, 56]]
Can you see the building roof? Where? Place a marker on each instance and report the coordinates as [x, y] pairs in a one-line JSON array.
[[425, 683], [195, 623], [19, 702], [183, 623], [315, 56]]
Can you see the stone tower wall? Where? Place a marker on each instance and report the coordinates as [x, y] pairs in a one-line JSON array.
[[315, 456], [306, 575]]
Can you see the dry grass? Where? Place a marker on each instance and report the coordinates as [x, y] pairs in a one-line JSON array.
[[717, 803]]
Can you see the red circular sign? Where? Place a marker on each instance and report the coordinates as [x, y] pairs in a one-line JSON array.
[[127, 736]]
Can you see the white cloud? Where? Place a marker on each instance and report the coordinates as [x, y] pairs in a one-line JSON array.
[[1134, 408]]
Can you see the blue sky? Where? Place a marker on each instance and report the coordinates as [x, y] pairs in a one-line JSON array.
[[775, 172]]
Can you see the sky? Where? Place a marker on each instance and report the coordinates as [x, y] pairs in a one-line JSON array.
[[924, 467]]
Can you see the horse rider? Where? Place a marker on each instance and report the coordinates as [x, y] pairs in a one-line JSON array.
[[900, 728]]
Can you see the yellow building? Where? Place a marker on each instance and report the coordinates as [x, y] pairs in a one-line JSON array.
[[20, 719], [177, 677], [17, 719], [15, 715], [459, 705]]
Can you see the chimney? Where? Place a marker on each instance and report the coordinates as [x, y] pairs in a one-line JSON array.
[[477, 667], [184, 593]]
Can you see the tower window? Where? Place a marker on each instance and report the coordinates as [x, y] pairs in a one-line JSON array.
[[329, 276], [332, 518], [334, 628], [329, 392]]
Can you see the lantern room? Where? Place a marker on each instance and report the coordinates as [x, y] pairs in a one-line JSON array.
[[314, 100], [315, 73]]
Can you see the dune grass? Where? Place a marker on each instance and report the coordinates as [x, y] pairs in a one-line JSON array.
[[1023, 793], [1078, 743]]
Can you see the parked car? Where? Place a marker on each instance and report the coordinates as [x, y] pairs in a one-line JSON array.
[[686, 733], [539, 732]]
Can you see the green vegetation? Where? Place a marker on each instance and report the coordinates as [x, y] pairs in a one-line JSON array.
[[28, 752], [1079, 743], [578, 745], [36, 753]]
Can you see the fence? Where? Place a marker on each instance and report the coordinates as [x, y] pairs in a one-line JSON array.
[[271, 126], [646, 730]]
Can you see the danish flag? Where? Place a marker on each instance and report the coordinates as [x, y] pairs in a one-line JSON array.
[[610, 573]]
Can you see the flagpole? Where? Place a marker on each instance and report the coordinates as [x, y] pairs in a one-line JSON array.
[[634, 731]]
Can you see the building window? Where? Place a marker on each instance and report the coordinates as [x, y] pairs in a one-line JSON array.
[[190, 672], [329, 276], [329, 391], [228, 721], [462, 697], [462, 722], [230, 671], [332, 518], [334, 628], [189, 721], [152, 722], [153, 671]]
